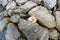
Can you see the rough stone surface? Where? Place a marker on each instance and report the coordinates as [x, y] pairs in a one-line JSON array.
[[37, 1], [49, 3], [45, 35], [3, 23], [26, 7], [53, 34], [12, 32], [19, 2], [59, 36], [11, 5], [44, 17], [33, 31], [15, 18], [58, 4], [1, 9], [3, 14], [4, 2], [57, 16], [10, 12], [2, 35]]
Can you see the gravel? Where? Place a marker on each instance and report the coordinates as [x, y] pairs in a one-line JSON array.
[[29, 19]]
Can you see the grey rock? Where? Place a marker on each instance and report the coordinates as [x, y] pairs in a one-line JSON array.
[[10, 12], [37, 1], [57, 16], [44, 35], [0, 1], [59, 36], [3, 23], [11, 5], [26, 7], [49, 3], [58, 7], [4, 2], [53, 34], [23, 15], [58, 4], [2, 35], [15, 18], [3, 14], [32, 30], [1, 9], [44, 16], [12, 32], [19, 2]]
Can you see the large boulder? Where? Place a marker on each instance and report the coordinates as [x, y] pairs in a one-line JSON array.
[[33, 31], [44, 16]]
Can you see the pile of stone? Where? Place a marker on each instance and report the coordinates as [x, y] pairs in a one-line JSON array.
[[29, 20]]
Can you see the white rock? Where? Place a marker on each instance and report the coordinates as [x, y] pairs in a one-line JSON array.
[[12, 32], [43, 16], [3, 23], [32, 19], [57, 16], [15, 18], [11, 5], [19, 2], [49, 3]]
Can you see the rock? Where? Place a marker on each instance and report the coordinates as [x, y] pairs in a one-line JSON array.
[[37, 1], [2, 35], [53, 34], [15, 18], [58, 36], [12, 32], [10, 12], [3, 23], [11, 5], [23, 15], [26, 7], [0, 1], [44, 16], [57, 16], [58, 4], [1, 9], [4, 3], [3, 14], [49, 3], [44, 35], [19, 2], [32, 31], [32, 19]]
